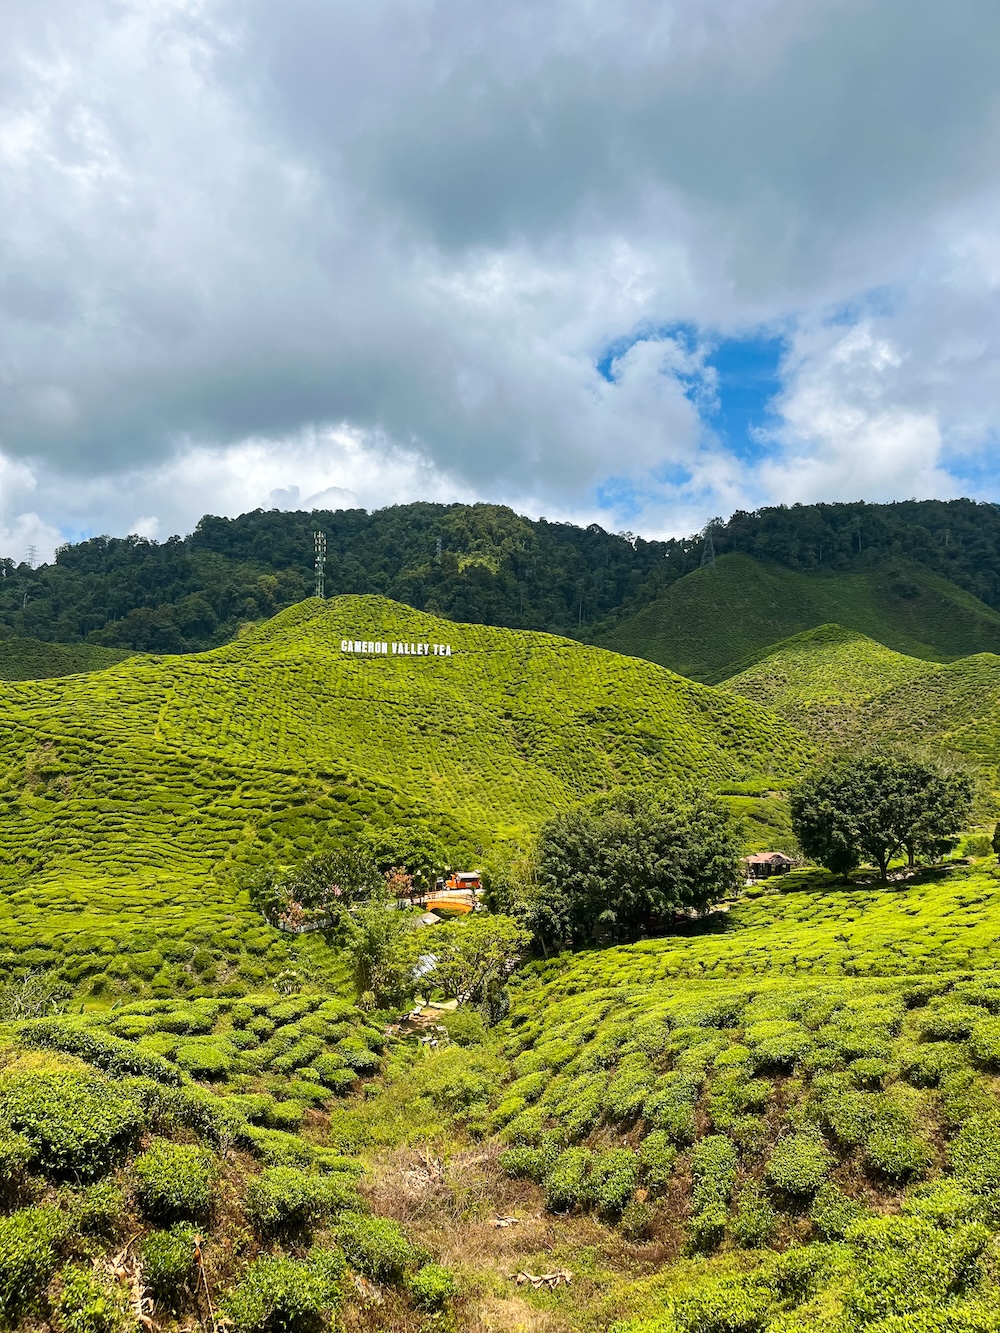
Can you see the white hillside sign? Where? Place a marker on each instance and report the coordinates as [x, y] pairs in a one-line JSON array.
[[380, 648]]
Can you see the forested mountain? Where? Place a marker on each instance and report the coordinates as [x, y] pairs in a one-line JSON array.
[[480, 563]]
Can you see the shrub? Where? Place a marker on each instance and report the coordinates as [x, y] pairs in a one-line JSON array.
[[949, 1022], [713, 1168], [657, 1156], [109, 1053], [167, 1262], [27, 1257], [523, 1163], [944, 1202], [707, 1228], [432, 1286], [334, 1074], [869, 1073], [637, 1220], [283, 1197], [723, 1305], [753, 1222], [670, 1107], [204, 1058], [927, 1065], [279, 1295], [613, 1179], [975, 1156], [799, 1164], [566, 1183], [175, 1180], [75, 1121], [833, 1212], [984, 1043], [284, 1115], [375, 1246], [91, 1303], [904, 1265], [99, 1208], [15, 1154], [898, 1156]]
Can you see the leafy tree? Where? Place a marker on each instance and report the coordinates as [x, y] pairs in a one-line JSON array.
[[631, 862], [471, 956], [871, 808], [411, 849], [378, 945]]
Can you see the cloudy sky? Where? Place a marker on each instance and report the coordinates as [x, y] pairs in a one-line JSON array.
[[638, 263]]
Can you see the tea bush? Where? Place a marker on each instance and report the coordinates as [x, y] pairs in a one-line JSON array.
[[168, 1262], [754, 1219], [432, 1287], [28, 1257], [91, 1303], [291, 1295], [282, 1197], [175, 1180], [799, 1164], [375, 1246], [75, 1121]]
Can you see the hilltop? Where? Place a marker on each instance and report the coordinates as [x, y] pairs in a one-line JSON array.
[[484, 563], [31, 659], [843, 688], [280, 738], [709, 623]]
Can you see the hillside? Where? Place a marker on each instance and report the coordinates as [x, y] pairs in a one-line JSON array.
[[713, 620], [31, 659], [479, 563], [172, 764]]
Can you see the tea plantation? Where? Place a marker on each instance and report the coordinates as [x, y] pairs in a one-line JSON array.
[[782, 1117], [709, 623], [30, 659]]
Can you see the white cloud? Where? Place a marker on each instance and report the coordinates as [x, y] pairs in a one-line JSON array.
[[291, 254]]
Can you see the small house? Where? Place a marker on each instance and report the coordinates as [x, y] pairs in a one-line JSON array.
[[762, 865]]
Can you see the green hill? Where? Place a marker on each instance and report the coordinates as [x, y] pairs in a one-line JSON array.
[[149, 774], [31, 659], [843, 688], [707, 624]]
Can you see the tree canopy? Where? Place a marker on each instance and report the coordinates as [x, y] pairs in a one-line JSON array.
[[631, 862], [872, 808]]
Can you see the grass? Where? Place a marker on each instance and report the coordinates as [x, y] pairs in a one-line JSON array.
[[30, 659], [708, 624]]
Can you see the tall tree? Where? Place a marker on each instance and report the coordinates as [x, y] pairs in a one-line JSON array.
[[631, 862], [869, 809]]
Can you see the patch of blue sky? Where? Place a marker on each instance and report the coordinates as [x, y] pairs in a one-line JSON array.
[[976, 473], [734, 387]]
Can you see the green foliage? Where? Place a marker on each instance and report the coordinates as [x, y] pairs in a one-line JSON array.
[[871, 807], [799, 1164], [630, 862], [377, 944], [91, 1303], [279, 1295], [28, 1257], [374, 1246], [283, 1197], [75, 1121], [754, 1219], [432, 1287], [566, 1183], [472, 957], [833, 1212], [175, 1179], [614, 1176], [168, 1261], [906, 1264]]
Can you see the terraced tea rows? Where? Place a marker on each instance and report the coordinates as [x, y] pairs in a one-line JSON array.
[[174, 764]]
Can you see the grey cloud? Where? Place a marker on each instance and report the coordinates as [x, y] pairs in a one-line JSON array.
[[423, 222]]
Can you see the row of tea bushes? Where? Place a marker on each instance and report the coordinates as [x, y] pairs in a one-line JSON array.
[[223, 1192]]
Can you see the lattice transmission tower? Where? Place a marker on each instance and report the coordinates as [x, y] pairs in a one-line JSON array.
[[319, 543]]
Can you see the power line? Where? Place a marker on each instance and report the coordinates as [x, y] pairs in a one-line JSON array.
[[31, 557]]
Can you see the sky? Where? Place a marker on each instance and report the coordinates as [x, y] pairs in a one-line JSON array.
[[637, 264]]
